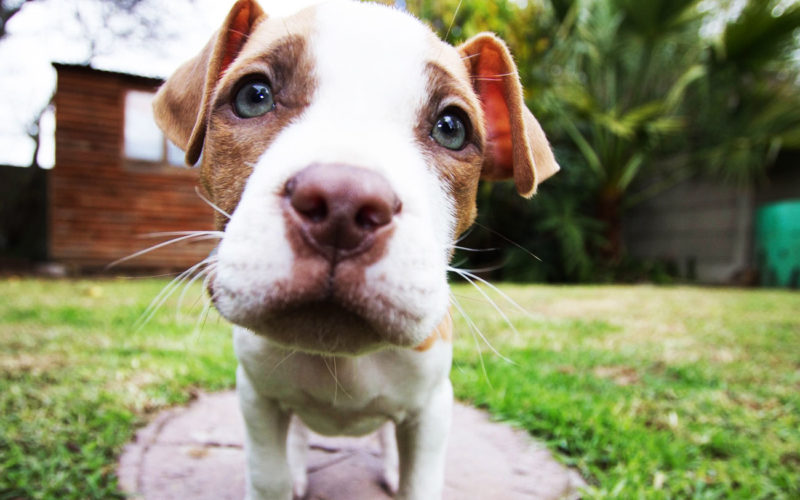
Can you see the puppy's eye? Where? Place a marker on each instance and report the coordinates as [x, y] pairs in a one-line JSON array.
[[253, 99], [450, 129]]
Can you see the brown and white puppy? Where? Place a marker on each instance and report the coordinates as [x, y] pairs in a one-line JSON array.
[[346, 142]]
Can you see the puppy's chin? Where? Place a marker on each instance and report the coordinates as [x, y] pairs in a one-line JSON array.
[[323, 327]]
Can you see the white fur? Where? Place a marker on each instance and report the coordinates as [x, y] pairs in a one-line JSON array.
[[363, 118], [344, 395], [363, 114]]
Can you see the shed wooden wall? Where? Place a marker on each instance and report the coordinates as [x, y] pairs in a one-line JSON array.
[[100, 210]]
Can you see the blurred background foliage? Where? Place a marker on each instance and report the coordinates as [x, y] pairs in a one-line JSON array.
[[635, 97]]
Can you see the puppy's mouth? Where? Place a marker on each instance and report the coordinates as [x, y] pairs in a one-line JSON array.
[[322, 327], [321, 307], [340, 289]]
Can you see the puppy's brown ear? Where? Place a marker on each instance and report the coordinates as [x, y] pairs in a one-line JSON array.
[[516, 145], [181, 104]]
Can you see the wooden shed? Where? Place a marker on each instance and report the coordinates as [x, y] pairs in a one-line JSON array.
[[116, 179]]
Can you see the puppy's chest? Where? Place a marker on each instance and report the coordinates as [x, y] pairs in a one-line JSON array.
[[368, 383], [342, 417], [350, 395]]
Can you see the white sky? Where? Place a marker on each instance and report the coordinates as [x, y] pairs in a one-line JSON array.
[[46, 31]]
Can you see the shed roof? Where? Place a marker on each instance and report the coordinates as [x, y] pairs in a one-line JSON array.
[[88, 68]]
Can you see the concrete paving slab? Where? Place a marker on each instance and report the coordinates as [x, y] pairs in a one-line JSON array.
[[196, 452]]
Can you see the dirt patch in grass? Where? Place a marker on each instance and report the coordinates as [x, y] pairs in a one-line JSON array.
[[620, 375]]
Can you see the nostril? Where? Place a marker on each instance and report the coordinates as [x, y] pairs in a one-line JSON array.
[[315, 208], [372, 217], [376, 214], [289, 188], [307, 200]]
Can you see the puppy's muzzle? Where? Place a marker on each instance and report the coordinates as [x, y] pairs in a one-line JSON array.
[[341, 211]]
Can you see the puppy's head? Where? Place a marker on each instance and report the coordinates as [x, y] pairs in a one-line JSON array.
[[347, 143]]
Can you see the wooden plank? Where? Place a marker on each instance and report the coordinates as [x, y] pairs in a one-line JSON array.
[[99, 205]]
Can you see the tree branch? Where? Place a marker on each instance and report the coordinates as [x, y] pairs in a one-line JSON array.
[[34, 131]]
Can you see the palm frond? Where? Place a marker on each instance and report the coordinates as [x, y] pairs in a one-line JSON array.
[[760, 35]]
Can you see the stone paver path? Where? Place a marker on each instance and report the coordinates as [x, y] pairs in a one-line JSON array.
[[196, 453]]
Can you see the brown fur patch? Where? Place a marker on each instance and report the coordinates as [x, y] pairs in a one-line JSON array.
[[195, 101], [235, 144], [181, 105], [459, 170], [176, 106], [442, 332]]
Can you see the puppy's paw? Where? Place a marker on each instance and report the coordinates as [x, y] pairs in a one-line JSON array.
[[391, 460], [297, 454], [391, 480], [300, 487]]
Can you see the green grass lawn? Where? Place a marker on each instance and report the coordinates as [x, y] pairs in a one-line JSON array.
[[650, 392]]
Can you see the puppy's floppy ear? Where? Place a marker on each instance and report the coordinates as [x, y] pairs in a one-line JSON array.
[[516, 145], [181, 104]]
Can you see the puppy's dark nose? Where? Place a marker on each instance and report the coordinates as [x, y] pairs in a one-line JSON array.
[[341, 208]]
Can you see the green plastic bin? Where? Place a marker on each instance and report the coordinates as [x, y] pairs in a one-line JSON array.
[[777, 242]]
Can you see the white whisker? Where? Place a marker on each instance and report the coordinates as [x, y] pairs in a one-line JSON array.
[[166, 292], [198, 236], [202, 318], [209, 275], [477, 270], [467, 249], [208, 303], [462, 261], [452, 21], [279, 363], [210, 261], [465, 274], [473, 329], [476, 300], [209, 271], [464, 235], [503, 314], [496, 308], [492, 78], [211, 203], [508, 240], [216, 234], [333, 373], [150, 276]]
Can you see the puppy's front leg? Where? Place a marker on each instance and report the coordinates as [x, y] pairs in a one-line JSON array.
[[297, 444], [391, 459], [266, 427], [422, 443]]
